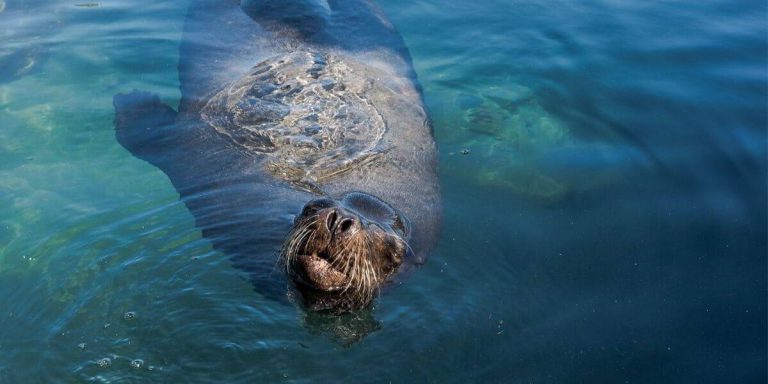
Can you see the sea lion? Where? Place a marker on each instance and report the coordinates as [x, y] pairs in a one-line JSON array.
[[301, 137]]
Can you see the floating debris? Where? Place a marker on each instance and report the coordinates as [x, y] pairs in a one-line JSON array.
[[464, 151], [82, 346], [137, 363], [130, 315]]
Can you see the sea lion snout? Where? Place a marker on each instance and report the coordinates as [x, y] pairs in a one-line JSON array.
[[346, 248], [339, 221]]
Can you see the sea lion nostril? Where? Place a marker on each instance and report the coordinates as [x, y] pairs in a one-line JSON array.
[[345, 225], [330, 221]]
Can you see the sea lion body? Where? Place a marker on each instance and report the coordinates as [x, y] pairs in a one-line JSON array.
[[283, 103]]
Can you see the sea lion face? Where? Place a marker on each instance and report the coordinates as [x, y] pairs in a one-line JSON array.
[[340, 252]]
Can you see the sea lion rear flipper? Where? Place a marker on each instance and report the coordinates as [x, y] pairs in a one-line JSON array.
[[144, 125]]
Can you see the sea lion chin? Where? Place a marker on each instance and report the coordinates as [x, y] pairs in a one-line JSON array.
[[339, 253]]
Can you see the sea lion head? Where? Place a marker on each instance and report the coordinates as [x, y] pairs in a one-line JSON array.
[[340, 252]]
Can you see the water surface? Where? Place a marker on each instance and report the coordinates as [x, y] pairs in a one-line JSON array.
[[603, 171]]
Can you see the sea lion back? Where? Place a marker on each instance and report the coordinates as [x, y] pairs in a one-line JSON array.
[[309, 114]]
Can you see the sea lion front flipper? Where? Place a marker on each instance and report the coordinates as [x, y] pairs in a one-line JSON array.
[[144, 125]]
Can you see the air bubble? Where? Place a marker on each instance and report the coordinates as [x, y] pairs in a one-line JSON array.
[[104, 363]]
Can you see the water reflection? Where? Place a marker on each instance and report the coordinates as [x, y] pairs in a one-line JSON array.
[[27, 28]]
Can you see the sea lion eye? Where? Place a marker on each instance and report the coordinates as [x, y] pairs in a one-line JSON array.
[[308, 210], [398, 225], [315, 205]]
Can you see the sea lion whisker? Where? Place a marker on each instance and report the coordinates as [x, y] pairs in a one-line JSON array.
[[297, 237], [294, 249], [353, 265], [339, 258], [368, 276], [307, 229], [300, 239], [360, 266], [296, 240], [350, 268], [407, 247], [375, 277]]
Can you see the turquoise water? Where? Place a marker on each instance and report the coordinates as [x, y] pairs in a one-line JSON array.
[[603, 172]]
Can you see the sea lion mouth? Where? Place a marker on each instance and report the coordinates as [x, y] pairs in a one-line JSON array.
[[316, 272]]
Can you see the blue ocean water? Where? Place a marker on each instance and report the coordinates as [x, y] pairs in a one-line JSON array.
[[603, 173]]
